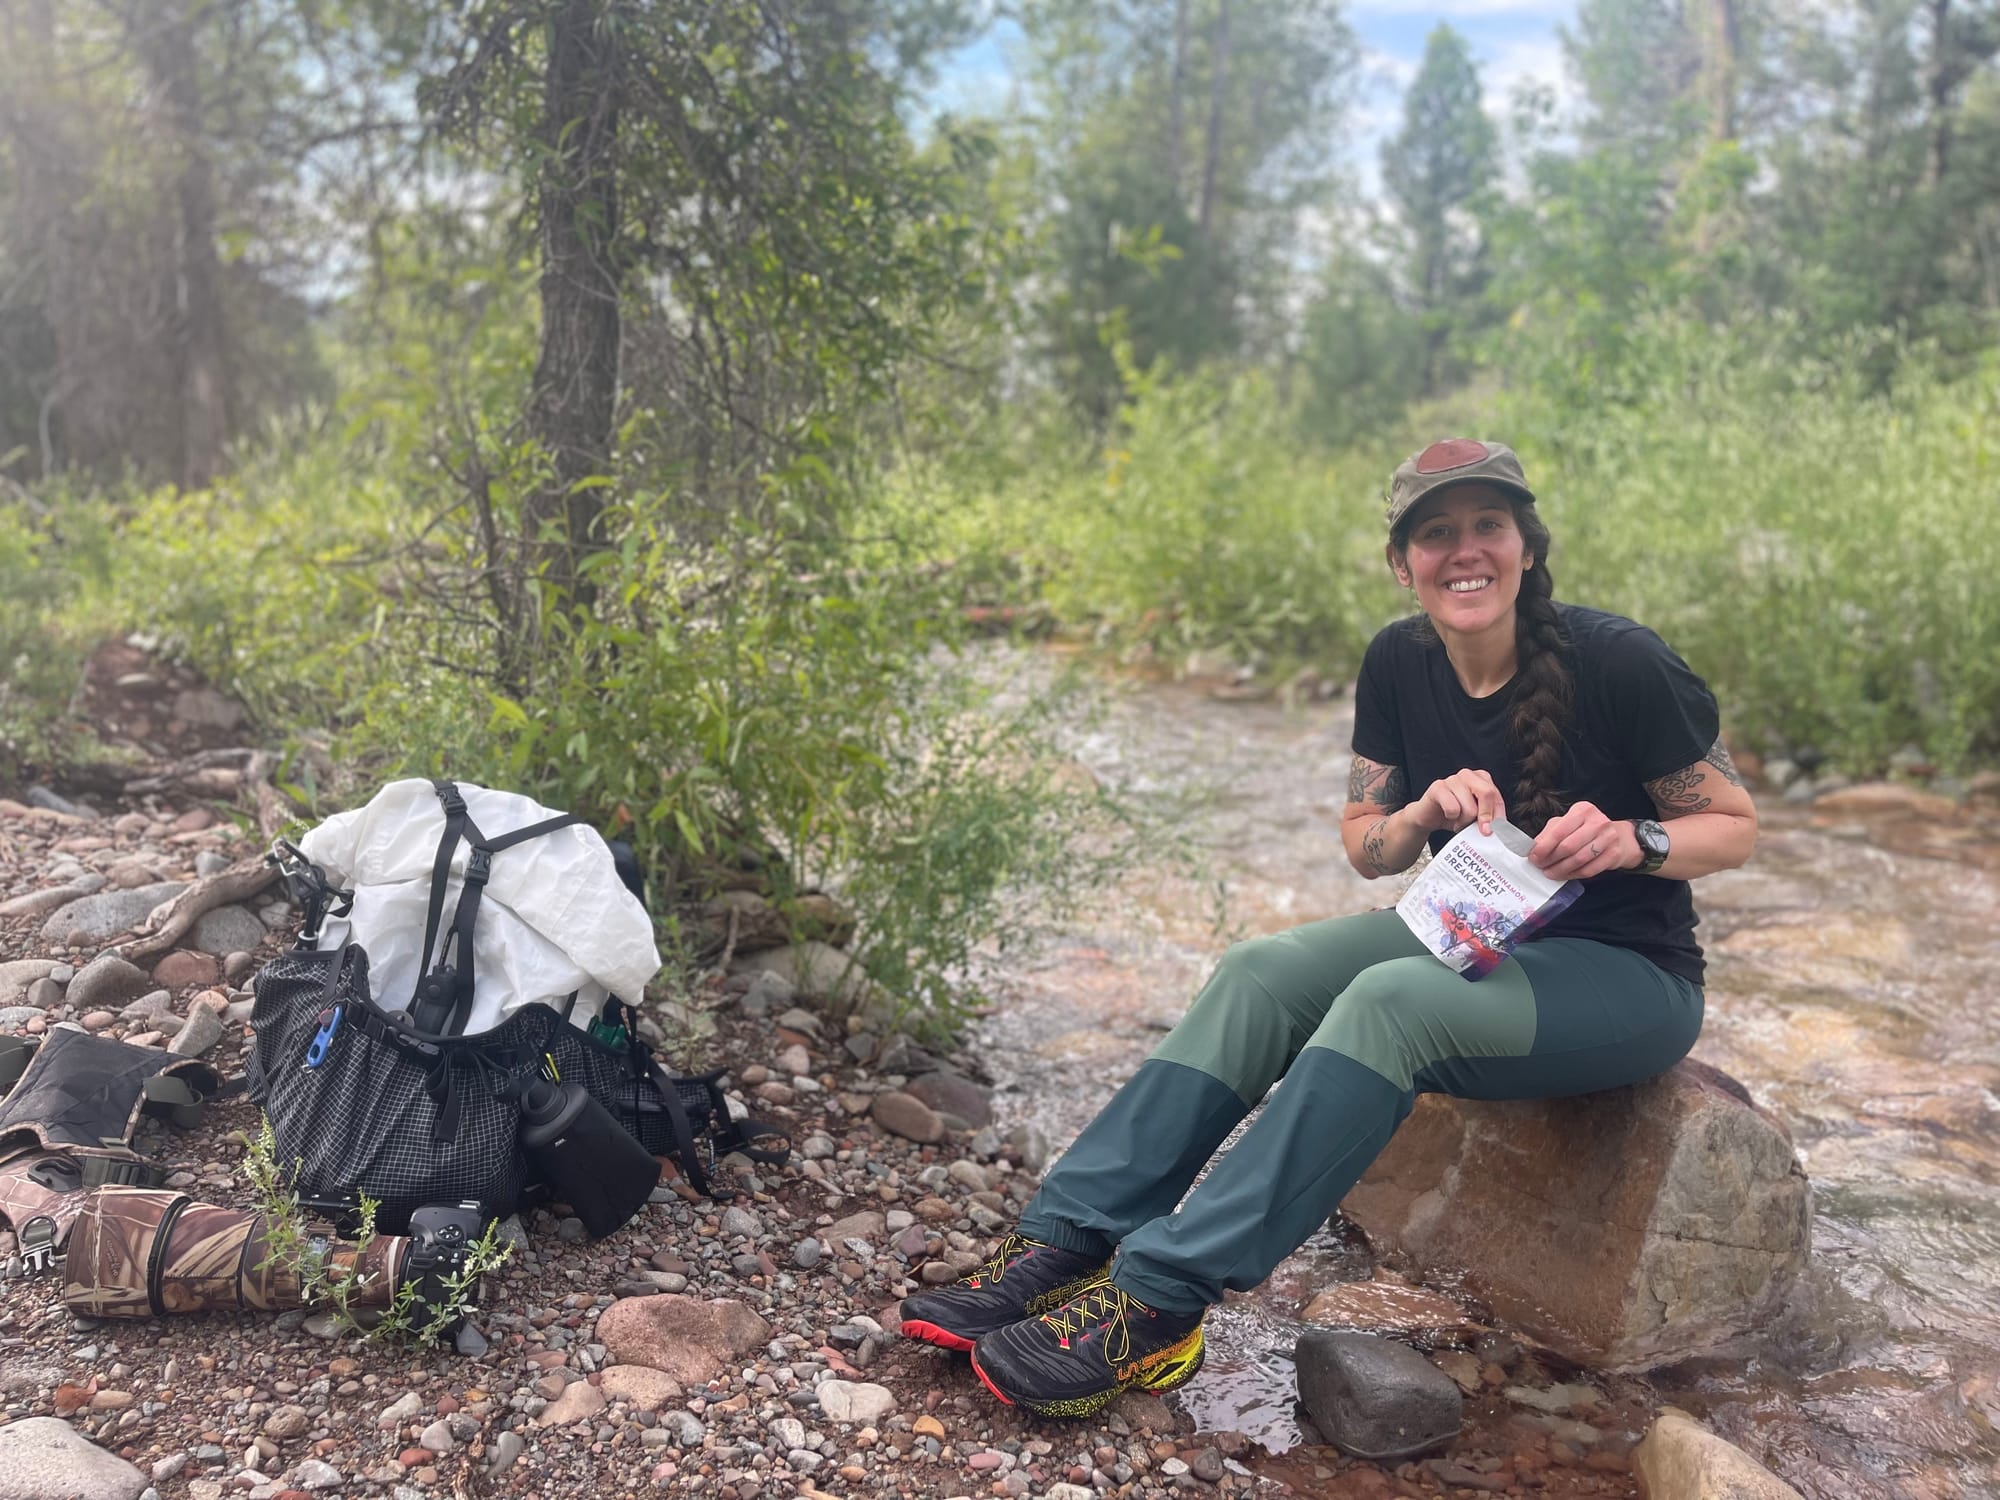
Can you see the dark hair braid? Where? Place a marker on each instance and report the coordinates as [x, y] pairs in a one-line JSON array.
[[1542, 701]]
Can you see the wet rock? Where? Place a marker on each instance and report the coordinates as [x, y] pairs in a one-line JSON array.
[[1390, 1305], [44, 1457], [952, 1093], [911, 1118], [1679, 1459], [1623, 1229], [686, 1337], [227, 929], [100, 918], [855, 1401], [1374, 1398]]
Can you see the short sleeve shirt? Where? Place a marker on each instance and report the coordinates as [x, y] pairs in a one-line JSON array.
[[1640, 713]]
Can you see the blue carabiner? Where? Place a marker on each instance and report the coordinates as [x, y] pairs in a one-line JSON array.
[[322, 1042]]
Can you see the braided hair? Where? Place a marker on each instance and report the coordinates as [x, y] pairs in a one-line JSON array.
[[1546, 689], [1542, 701]]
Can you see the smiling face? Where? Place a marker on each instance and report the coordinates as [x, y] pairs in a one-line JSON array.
[[1464, 555]]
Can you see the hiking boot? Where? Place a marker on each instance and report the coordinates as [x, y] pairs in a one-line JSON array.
[[1075, 1360], [1024, 1277]]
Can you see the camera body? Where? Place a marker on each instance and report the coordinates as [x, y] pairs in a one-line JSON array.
[[441, 1239]]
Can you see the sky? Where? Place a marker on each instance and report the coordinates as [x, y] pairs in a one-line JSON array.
[[1514, 40]]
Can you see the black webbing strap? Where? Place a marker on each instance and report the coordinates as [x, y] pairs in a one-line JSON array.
[[684, 1137], [442, 1003]]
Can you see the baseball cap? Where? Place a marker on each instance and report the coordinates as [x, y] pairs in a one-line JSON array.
[[1454, 461]]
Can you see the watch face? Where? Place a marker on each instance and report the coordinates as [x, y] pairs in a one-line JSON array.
[[1652, 839]]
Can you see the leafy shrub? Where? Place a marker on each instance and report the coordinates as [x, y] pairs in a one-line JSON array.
[[41, 652]]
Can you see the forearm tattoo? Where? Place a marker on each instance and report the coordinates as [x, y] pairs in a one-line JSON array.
[[1680, 794], [1382, 785], [1718, 756], [1373, 844]]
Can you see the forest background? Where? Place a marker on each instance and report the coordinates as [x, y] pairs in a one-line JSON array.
[[640, 404]]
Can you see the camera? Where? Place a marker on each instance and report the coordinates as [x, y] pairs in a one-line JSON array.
[[441, 1239]]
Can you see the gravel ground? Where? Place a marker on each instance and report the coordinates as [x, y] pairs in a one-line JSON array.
[[797, 1385]]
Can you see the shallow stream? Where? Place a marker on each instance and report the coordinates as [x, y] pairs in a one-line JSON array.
[[1851, 989]]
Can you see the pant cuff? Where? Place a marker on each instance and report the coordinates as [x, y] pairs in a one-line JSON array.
[[1064, 1236]]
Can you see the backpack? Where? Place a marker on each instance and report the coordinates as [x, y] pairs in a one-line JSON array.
[[393, 1096]]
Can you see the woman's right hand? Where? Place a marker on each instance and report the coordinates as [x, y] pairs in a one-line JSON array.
[[1459, 799]]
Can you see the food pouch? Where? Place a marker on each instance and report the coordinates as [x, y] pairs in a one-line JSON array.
[[1480, 897]]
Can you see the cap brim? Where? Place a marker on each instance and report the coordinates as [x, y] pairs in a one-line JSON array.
[[1519, 491]]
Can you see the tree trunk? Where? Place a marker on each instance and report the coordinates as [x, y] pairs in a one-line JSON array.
[[1176, 103], [575, 394], [194, 320], [1218, 87], [1721, 69], [1938, 85]]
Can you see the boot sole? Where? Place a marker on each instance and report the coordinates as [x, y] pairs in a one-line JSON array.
[[1176, 1369], [930, 1333]]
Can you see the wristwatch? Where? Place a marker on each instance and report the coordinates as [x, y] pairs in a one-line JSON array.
[[1653, 844]]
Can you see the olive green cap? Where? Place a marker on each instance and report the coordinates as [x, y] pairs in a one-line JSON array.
[[1450, 462]]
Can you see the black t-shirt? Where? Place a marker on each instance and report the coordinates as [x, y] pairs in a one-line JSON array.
[[1640, 713]]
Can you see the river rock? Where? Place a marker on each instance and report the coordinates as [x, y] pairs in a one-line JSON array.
[[15, 977], [1375, 1398], [686, 1337], [1624, 1229], [578, 1400], [1679, 1459], [39, 903], [108, 982], [814, 969], [909, 1117], [44, 1458], [106, 915], [855, 1401], [952, 1093], [227, 929], [645, 1389], [185, 969]]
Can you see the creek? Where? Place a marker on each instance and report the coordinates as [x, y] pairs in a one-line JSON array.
[[1850, 989]]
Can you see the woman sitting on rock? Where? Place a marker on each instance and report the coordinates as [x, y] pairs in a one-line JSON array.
[[1581, 727]]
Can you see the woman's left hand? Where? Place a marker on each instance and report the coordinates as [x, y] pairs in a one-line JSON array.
[[1583, 842]]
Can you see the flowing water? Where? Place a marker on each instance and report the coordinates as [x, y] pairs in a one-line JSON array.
[[1850, 989]]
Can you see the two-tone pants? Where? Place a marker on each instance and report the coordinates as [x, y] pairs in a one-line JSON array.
[[1357, 1019]]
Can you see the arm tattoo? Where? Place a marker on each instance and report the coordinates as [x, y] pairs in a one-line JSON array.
[[1372, 845], [1382, 785], [1718, 756], [1680, 794]]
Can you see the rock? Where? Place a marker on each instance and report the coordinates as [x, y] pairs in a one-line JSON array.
[[646, 1389], [1679, 1459], [814, 969], [15, 977], [755, 924], [207, 709], [40, 903], [41, 796], [155, 1005], [236, 967], [507, 1451], [768, 992], [202, 1030], [686, 1337], [579, 1400], [401, 1410], [227, 929], [183, 969], [952, 1093], [865, 1225], [108, 914], [741, 1223], [315, 1475], [1390, 1305], [287, 1422], [855, 1401], [911, 1118], [1374, 1398], [437, 1437], [44, 1458], [108, 982], [13, 1017], [1887, 799], [1624, 1229]]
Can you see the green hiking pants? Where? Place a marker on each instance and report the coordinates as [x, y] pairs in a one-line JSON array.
[[1357, 1019]]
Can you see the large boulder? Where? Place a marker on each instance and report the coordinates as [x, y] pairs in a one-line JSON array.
[[684, 1337], [44, 1458], [1624, 1229]]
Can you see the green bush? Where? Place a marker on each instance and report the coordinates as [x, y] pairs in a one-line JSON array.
[[41, 648]]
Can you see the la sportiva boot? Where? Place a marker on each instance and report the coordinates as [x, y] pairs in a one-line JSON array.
[[1074, 1360], [1023, 1277]]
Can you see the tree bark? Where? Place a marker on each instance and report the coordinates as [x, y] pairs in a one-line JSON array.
[[1177, 103], [574, 398], [1722, 47], [1218, 88], [195, 320], [1938, 86]]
